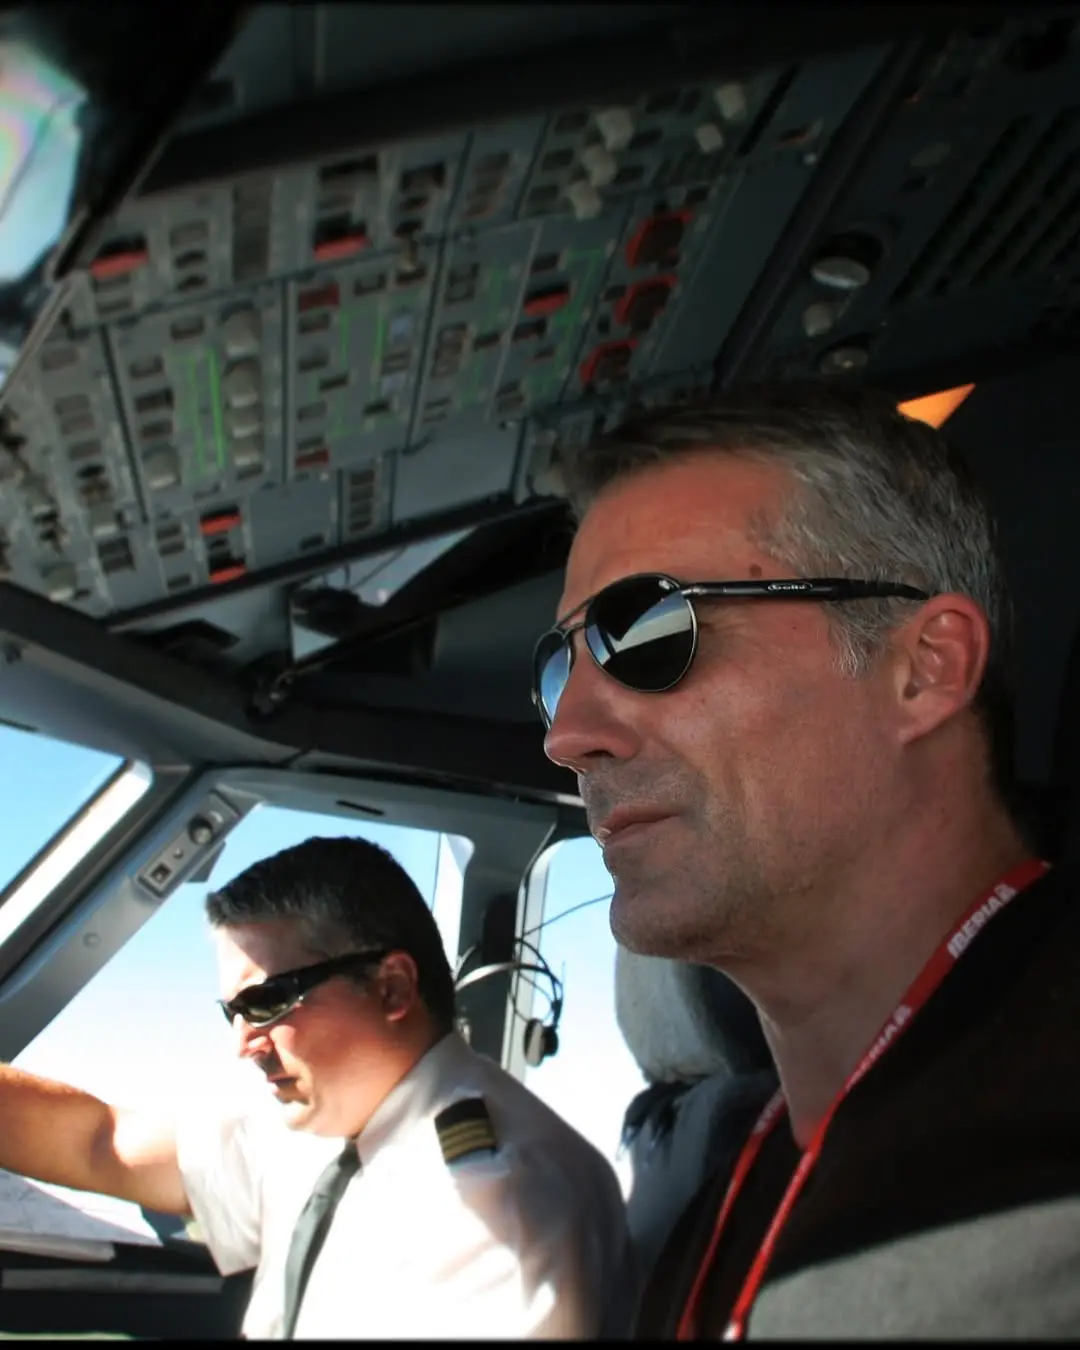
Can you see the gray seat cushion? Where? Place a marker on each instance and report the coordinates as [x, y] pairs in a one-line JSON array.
[[683, 1022], [697, 1040]]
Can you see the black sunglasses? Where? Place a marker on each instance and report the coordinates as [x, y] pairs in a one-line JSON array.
[[260, 1005], [643, 631]]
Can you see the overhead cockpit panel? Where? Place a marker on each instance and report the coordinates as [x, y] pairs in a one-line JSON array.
[[281, 364], [290, 357]]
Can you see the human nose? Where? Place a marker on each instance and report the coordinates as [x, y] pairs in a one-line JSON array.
[[594, 719], [250, 1042]]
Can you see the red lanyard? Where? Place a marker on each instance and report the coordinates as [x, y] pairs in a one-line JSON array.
[[985, 907]]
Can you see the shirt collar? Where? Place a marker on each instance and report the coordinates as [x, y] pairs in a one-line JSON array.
[[411, 1100]]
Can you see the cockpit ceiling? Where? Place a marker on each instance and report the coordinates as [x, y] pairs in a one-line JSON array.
[[271, 373]]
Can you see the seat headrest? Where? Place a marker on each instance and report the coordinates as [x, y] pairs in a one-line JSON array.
[[682, 1022]]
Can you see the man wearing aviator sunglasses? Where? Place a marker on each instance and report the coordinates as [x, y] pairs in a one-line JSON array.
[[643, 630], [403, 1186], [263, 1004], [782, 677]]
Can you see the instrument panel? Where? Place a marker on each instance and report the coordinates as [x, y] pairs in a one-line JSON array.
[[268, 368]]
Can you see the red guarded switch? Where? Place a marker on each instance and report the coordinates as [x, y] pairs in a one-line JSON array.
[[119, 264], [332, 250], [609, 361], [643, 302], [226, 572], [219, 522], [657, 239], [546, 300]]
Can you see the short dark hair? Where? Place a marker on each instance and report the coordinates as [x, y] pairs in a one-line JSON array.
[[874, 494], [347, 895]]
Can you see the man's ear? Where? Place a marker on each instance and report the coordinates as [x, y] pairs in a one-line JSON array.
[[399, 985], [941, 656]]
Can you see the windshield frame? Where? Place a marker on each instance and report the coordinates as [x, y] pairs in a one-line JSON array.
[[71, 844]]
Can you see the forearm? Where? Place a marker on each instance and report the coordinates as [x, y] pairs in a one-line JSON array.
[[53, 1132]]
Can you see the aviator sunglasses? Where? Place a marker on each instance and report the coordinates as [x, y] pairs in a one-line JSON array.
[[260, 1005], [643, 630]]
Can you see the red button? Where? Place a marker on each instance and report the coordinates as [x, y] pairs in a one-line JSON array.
[[644, 301], [608, 360], [655, 239], [219, 523], [546, 301], [334, 249], [230, 572], [102, 269]]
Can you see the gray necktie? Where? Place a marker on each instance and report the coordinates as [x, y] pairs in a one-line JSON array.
[[311, 1229]]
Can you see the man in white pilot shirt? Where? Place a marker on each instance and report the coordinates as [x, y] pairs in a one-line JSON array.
[[454, 1204]]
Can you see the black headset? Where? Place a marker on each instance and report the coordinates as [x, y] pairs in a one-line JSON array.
[[541, 1038]]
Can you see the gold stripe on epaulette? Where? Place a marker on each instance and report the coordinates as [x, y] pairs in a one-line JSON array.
[[473, 1133], [467, 1139], [465, 1128]]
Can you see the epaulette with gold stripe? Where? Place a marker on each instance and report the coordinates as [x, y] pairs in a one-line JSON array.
[[465, 1128]]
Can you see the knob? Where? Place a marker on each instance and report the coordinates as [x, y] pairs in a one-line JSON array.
[[599, 164], [846, 357], [246, 454], [102, 521], [731, 100], [161, 469], [242, 422], [847, 262], [820, 317], [616, 126], [200, 831], [709, 138], [240, 333], [584, 200], [243, 384], [61, 582]]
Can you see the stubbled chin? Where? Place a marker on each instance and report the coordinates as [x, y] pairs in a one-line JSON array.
[[637, 922], [625, 917]]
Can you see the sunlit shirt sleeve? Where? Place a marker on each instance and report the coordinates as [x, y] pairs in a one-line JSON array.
[[221, 1176]]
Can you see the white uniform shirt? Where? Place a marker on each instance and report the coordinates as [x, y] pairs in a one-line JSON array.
[[530, 1241]]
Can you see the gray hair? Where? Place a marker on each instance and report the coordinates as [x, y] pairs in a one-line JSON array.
[[876, 495]]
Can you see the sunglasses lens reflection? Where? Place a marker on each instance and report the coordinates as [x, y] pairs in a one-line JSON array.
[[267, 1007], [641, 634], [257, 1007], [552, 672], [639, 631]]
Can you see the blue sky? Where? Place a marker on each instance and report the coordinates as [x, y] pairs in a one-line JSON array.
[[146, 1030]]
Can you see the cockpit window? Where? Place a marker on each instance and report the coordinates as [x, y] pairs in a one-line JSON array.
[[44, 784], [593, 1076]]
